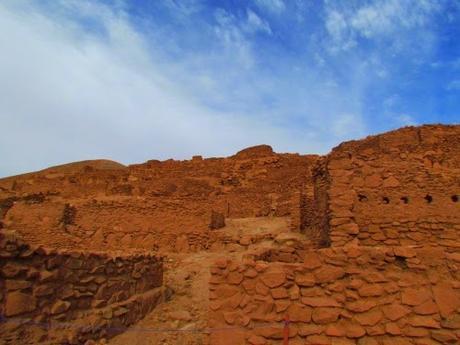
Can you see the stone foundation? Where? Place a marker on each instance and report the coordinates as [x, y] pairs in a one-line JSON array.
[[88, 293], [351, 295]]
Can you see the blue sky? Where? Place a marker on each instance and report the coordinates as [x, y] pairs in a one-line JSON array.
[[155, 79]]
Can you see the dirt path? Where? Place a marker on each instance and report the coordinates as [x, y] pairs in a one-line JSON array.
[[180, 320]]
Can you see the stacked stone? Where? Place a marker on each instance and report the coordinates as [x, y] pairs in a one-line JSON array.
[[342, 225], [350, 295], [400, 188], [60, 286]]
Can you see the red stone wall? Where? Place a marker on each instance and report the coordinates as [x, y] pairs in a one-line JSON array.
[[398, 188], [351, 295], [149, 205], [48, 286]]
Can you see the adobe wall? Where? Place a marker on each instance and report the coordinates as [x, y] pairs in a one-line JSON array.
[[348, 295], [398, 188], [92, 292], [149, 205]]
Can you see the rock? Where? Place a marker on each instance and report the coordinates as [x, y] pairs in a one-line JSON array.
[[452, 322], [447, 299], [256, 340], [120, 311], [423, 321], [299, 313], [427, 308], [217, 220], [60, 307], [221, 263], [311, 261], [287, 238], [305, 280], [279, 293], [318, 340], [373, 181], [325, 315], [405, 252], [310, 329], [11, 285], [98, 237], [394, 312], [235, 278], [369, 318], [444, 336], [412, 296], [392, 328], [350, 228], [370, 290], [255, 152], [47, 276], [12, 269], [361, 305], [320, 302], [391, 182], [19, 303], [328, 274], [282, 305], [273, 279], [367, 341]]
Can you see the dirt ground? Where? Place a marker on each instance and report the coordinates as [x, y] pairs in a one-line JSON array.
[[183, 319]]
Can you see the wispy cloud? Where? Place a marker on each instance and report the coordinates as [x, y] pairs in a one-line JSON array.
[[255, 23], [103, 90], [377, 19], [84, 79]]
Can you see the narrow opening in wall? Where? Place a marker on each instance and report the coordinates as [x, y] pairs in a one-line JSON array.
[[405, 200], [454, 198], [386, 200], [401, 262], [429, 198], [362, 198]]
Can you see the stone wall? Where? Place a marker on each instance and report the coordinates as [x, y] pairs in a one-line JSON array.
[[53, 287], [398, 188], [150, 205], [348, 295]]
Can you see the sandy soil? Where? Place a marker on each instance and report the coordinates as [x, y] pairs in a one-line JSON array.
[[183, 319]]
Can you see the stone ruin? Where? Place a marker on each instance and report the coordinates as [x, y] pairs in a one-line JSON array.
[[371, 255]]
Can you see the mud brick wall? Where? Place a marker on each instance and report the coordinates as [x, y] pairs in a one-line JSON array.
[[399, 188], [150, 205], [47, 285], [349, 295]]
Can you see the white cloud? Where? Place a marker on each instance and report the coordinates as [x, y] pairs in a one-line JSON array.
[[71, 91], [255, 23], [375, 19], [66, 94], [232, 38], [405, 120], [338, 29], [275, 6]]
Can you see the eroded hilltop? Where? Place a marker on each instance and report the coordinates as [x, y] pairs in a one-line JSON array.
[[360, 246]]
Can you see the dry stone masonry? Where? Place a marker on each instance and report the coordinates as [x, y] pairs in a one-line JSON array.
[[388, 209], [92, 294], [360, 246]]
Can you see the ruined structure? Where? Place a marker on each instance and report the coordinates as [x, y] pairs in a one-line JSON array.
[[360, 246]]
